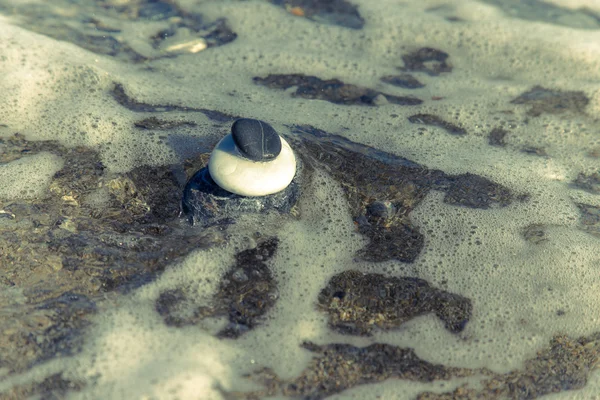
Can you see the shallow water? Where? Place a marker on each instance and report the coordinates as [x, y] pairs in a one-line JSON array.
[[452, 152]]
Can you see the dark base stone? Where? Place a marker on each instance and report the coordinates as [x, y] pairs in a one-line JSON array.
[[206, 203]]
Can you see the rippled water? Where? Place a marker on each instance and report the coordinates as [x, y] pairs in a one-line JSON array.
[[445, 245]]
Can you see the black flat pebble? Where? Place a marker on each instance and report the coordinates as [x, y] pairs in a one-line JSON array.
[[255, 139]]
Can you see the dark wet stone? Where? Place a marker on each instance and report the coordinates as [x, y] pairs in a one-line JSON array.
[[497, 137], [381, 209], [589, 183], [476, 192], [590, 218], [334, 12], [205, 203], [337, 367], [551, 101], [406, 81], [563, 366], [434, 120], [357, 303], [382, 189], [255, 139], [161, 124], [332, 90], [428, 60], [121, 97], [246, 292]]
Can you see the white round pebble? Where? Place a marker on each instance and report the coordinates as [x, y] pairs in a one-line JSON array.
[[239, 175]]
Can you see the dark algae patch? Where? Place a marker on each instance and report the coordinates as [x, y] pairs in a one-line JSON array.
[[542, 100], [497, 137], [53, 387], [563, 366], [382, 189], [405, 81], [92, 233], [534, 151], [589, 183], [434, 120], [121, 97], [589, 218], [161, 124], [473, 191], [245, 294], [428, 60], [332, 90], [357, 303], [535, 233], [337, 367], [43, 329]]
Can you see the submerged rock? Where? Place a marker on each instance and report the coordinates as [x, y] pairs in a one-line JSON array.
[[204, 202]]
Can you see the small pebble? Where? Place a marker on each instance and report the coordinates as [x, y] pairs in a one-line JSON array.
[[255, 139]]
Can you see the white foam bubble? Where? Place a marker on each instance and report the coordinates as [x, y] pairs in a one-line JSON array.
[[28, 177]]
